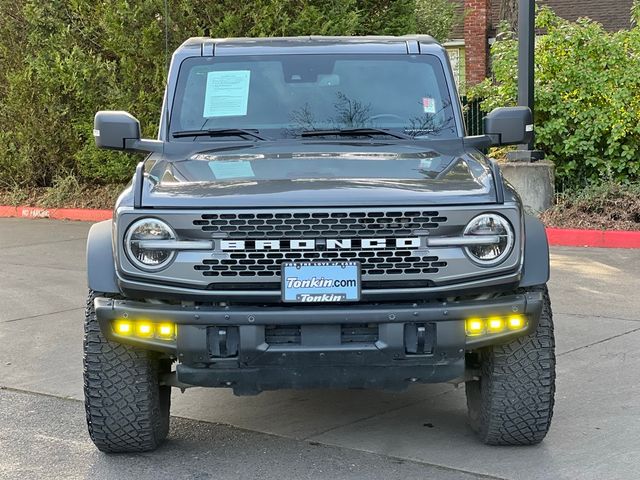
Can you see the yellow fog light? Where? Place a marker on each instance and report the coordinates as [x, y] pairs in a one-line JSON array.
[[166, 331], [474, 326], [495, 325], [123, 327], [516, 322], [144, 329]]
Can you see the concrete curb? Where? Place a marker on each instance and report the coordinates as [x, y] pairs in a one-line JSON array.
[[556, 236]]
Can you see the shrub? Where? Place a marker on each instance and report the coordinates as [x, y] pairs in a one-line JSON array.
[[604, 206], [436, 18], [62, 60], [587, 98]]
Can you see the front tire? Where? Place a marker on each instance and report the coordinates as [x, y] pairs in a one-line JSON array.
[[127, 408], [512, 401]]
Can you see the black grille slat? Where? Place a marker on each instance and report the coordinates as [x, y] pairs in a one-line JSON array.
[[282, 334], [381, 262], [292, 334], [275, 287], [321, 224], [365, 333]]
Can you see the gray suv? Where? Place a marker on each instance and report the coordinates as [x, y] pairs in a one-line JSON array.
[[313, 215]]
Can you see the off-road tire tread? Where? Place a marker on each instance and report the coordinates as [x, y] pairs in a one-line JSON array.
[[127, 410], [512, 403]]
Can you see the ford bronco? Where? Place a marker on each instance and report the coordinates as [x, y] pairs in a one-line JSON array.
[[311, 215]]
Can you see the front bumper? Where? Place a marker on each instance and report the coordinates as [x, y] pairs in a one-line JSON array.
[[233, 346]]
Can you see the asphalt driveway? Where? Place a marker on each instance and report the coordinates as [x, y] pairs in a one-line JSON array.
[[421, 433]]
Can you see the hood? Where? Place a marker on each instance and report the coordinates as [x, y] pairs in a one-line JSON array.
[[316, 174]]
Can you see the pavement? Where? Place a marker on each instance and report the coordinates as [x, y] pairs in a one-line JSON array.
[[421, 433]]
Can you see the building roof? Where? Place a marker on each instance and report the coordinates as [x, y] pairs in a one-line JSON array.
[[613, 15]]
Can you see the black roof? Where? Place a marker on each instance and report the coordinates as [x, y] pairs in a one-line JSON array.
[[311, 44]]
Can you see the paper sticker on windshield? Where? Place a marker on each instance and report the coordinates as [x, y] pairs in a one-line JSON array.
[[429, 105], [227, 94], [227, 169]]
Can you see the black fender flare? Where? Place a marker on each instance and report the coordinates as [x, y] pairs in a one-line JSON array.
[[536, 253], [101, 265]]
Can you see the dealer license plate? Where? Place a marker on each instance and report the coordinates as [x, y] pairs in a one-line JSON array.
[[319, 282]]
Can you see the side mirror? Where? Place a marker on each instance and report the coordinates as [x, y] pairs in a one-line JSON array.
[[509, 125], [117, 130], [112, 129]]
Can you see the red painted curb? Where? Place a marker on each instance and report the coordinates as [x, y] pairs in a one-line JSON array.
[[82, 214], [593, 238], [556, 236]]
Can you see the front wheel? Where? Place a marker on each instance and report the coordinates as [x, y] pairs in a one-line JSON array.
[[127, 408], [511, 403]]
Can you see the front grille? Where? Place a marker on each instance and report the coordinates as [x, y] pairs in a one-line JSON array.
[[377, 223], [373, 262], [239, 252], [252, 265]]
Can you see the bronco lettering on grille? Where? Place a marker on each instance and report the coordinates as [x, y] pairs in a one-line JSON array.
[[325, 244]]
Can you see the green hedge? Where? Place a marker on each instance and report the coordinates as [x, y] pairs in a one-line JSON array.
[[62, 60], [587, 102]]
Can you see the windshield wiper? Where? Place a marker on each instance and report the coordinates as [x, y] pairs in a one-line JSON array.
[[219, 132], [354, 132]]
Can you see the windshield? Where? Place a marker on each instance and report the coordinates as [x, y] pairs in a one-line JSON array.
[[282, 96]]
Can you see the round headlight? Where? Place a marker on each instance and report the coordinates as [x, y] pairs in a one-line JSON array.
[[490, 224], [144, 256]]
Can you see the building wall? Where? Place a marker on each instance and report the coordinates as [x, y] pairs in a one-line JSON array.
[[477, 22], [456, 53], [482, 18]]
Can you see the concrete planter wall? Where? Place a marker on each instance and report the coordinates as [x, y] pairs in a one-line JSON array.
[[534, 182]]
